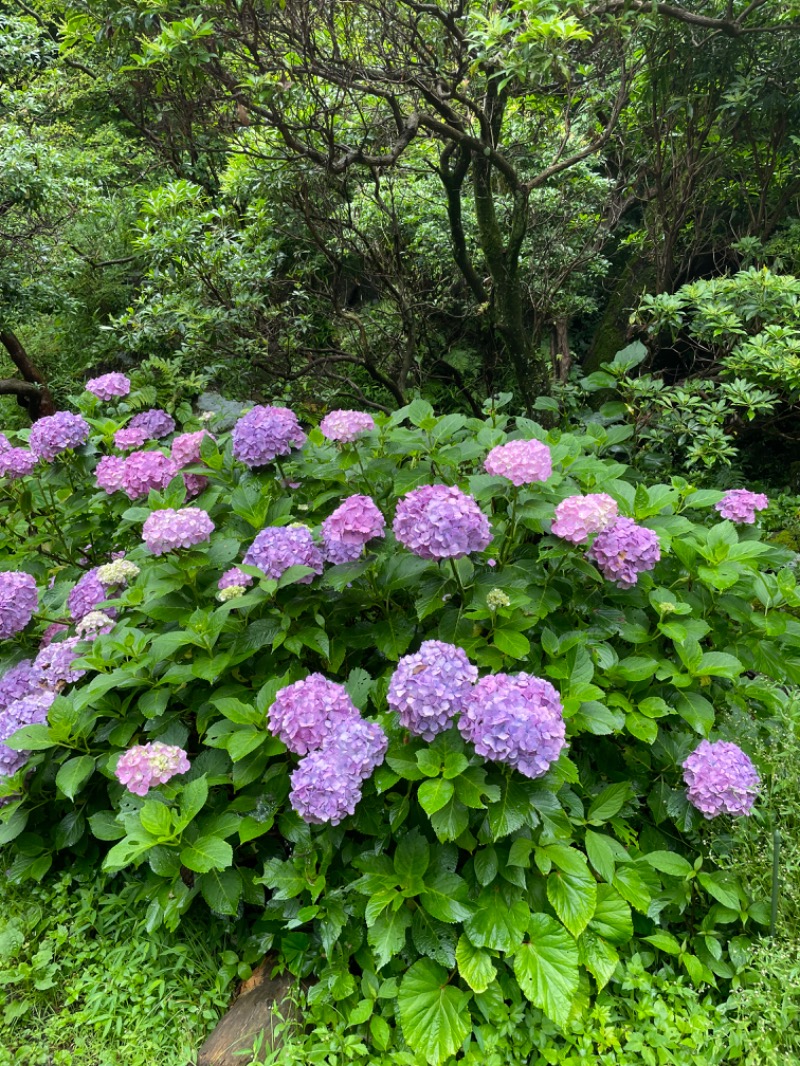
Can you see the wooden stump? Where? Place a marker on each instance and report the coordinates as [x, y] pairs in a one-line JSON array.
[[262, 1006]]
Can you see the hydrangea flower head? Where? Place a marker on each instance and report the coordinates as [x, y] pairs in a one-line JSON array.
[[265, 433], [118, 572], [276, 548], [185, 451], [623, 551], [21, 680], [324, 791], [147, 765], [356, 745], [720, 779], [109, 386], [305, 713], [740, 505], [346, 426], [441, 522], [231, 592], [19, 599], [57, 433], [110, 473], [234, 576], [54, 666], [515, 719], [16, 463], [429, 688], [86, 594], [168, 530], [5, 443], [145, 471], [496, 598], [51, 633], [147, 425], [578, 517], [28, 710], [93, 624], [353, 523], [521, 461]]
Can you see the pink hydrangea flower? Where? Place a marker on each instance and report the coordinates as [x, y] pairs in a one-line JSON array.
[[353, 523], [168, 530], [720, 779], [346, 426], [578, 517], [110, 473], [265, 433], [441, 522], [623, 551], [147, 425], [145, 471], [305, 713], [276, 548], [521, 461], [147, 765], [57, 433], [109, 386], [740, 505], [16, 463], [186, 451], [19, 599]]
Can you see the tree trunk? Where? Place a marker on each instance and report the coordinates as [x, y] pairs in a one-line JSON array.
[[32, 392]]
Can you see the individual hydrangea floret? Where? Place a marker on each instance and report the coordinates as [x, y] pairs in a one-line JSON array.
[[521, 461], [109, 474], [429, 688], [168, 530], [578, 517], [324, 791], [740, 505], [623, 551], [57, 433], [306, 712], [515, 719], [19, 599], [52, 631], [93, 624], [118, 572], [147, 425], [16, 463], [54, 666], [86, 594], [109, 386], [265, 433], [28, 710], [441, 522], [276, 548], [353, 523], [234, 576], [720, 779], [145, 471], [147, 765], [20, 681], [496, 598], [346, 426]]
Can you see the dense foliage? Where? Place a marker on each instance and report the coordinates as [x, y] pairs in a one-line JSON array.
[[455, 883]]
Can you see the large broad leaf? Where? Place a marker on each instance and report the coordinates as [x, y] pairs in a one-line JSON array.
[[387, 936], [598, 956], [207, 853], [222, 890], [433, 1013], [474, 965], [411, 860], [573, 895], [612, 917], [433, 938], [444, 897], [496, 923], [547, 967], [74, 774]]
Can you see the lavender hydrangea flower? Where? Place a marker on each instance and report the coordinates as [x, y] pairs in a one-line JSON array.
[[430, 687], [109, 473], [19, 599], [720, 779], [145, 471], [265, 433], [5, 443], [16, 463], [234, 577], [86, 594], [147, 425], [20, 681], [521, 461], [346, 426], [29, 710], [305, 713], [53, 664], [276, 548], [578, 517], [57, 433], [356, 745], [353, 523], [109, 386], [168, 530], [515, 719], [441, 522], [623, 551], [146, 765], [323, 791], [740, 505]]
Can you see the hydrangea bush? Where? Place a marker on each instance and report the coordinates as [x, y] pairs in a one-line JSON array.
[[440, 730]]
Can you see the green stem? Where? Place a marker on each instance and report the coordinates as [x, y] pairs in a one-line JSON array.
[[511, 528], [776, 881]]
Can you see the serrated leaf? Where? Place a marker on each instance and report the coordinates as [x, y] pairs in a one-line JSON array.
[[598, 956], [612, 919], [433, 1013], [387, 935], [411, 859], [609, 803], [74, 774], [667, 862], [573, 896], [474, 965], [433, 938], [496, 923], [514, 645], [485, 863], [546, 967], [222, 890], [207, 853], [444, 897]]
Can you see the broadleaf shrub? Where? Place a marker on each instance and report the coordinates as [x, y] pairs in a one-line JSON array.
[[450, 878]]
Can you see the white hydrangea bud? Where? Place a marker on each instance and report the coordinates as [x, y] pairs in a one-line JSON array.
[[496, 598], [232, 592], [93, 623]]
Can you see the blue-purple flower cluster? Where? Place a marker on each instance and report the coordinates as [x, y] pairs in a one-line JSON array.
[[276, 548], [354, 522], [265, 433], [441, 522], [19, 599], [429, 688], [57, 433], [720, 779]]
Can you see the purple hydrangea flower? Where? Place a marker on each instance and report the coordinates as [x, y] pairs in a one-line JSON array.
[[515, 719], [168, 530], [19, 599], [234, 578], [5, 443], [147, 765], [20, 681], [276, 548], [110, 473], [145, 471], [356, 745], [720, 779], [521, 461], [147, 425], [54, 663], [430, 687], [353, 523], [305, 713], [578, 517], [57, 433], [186, 450], [323, 791], [51, 633], [623, 551], [345, 426], [86, 594], [740, 505], [265, 433], [441, 522], [17, 462], [109, 386], [29, 710]]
